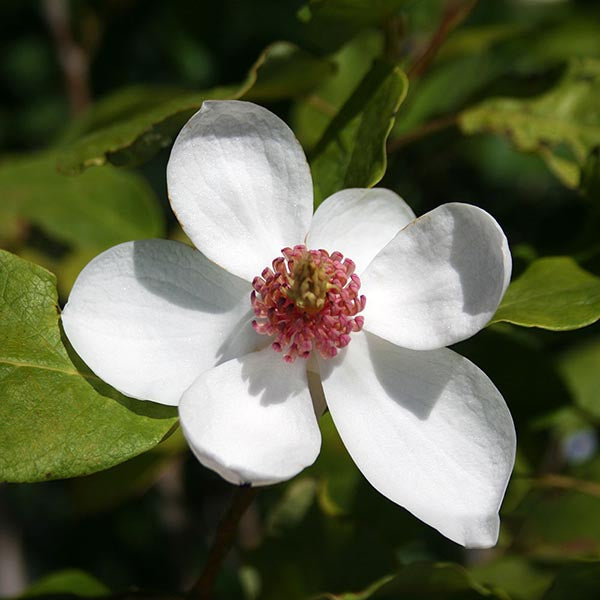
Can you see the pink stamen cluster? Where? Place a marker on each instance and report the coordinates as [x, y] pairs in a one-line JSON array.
[[296, 329]]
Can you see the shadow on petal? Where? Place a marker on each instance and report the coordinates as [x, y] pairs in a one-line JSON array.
[[415, 370], [477, 257], [192, 281]]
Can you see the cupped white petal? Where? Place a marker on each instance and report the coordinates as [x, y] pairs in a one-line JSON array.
[[428, 430], [252, 419], [358, 223], [240, 185], [149, 316], [439, 280]]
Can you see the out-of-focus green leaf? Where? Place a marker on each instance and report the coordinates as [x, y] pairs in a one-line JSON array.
[[331, 23], [97, 209], [560, 517], [553, 293], [286, 71], [576, 582], [312, 114], [562, 125], [519, 577], [590, 175], [292, 508], [68, 582], [352, 151], [133, 126], [580, 368], [57, 419], [436, 581]]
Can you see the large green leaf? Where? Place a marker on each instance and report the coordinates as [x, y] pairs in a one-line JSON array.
[[97, 209], [553, 293], [57, 419], [562, 125], [130, 127], [352, 151]]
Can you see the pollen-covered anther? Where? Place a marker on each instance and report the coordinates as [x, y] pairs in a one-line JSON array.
[[308, 299]]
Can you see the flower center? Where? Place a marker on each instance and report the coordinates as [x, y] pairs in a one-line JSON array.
[[308, 299]]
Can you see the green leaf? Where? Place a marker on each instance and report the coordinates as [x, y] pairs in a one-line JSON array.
[[107, 489], [352, 151], [57, 419], [131, 127], [576, 582], [553, 293], [70, 581], [286, 71], [97, 209], [522, 579], [562, 125], [437, 581], [330, 23], [312, 114], [579, 367]]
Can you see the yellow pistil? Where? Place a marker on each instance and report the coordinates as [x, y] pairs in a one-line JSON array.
[[308, 285]]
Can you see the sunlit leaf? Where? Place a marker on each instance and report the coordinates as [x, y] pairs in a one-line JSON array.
[[553, 293], [57, 419], [352, 151], [562, 125], [68, 582]]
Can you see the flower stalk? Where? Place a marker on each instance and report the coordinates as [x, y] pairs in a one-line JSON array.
[[224, 538]]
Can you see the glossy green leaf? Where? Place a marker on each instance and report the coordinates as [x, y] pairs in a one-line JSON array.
[[352, 151], [68, 582], [562, 125], [57, 419], [132, 127], [553, 293], [97, 209]]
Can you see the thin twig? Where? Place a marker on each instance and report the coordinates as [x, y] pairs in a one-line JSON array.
[[565, 482], [454, 14], [73, 60], [224, 538], [420, 132]]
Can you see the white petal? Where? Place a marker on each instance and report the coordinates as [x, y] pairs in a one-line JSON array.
[[439, 281], [428, 430], [358, 223], [240, 185], [251, 419], [148, 317]]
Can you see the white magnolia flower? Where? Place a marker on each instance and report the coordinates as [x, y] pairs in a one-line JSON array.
[[234, 332]]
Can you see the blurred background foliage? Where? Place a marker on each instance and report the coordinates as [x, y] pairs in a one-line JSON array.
[[499, 107]]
